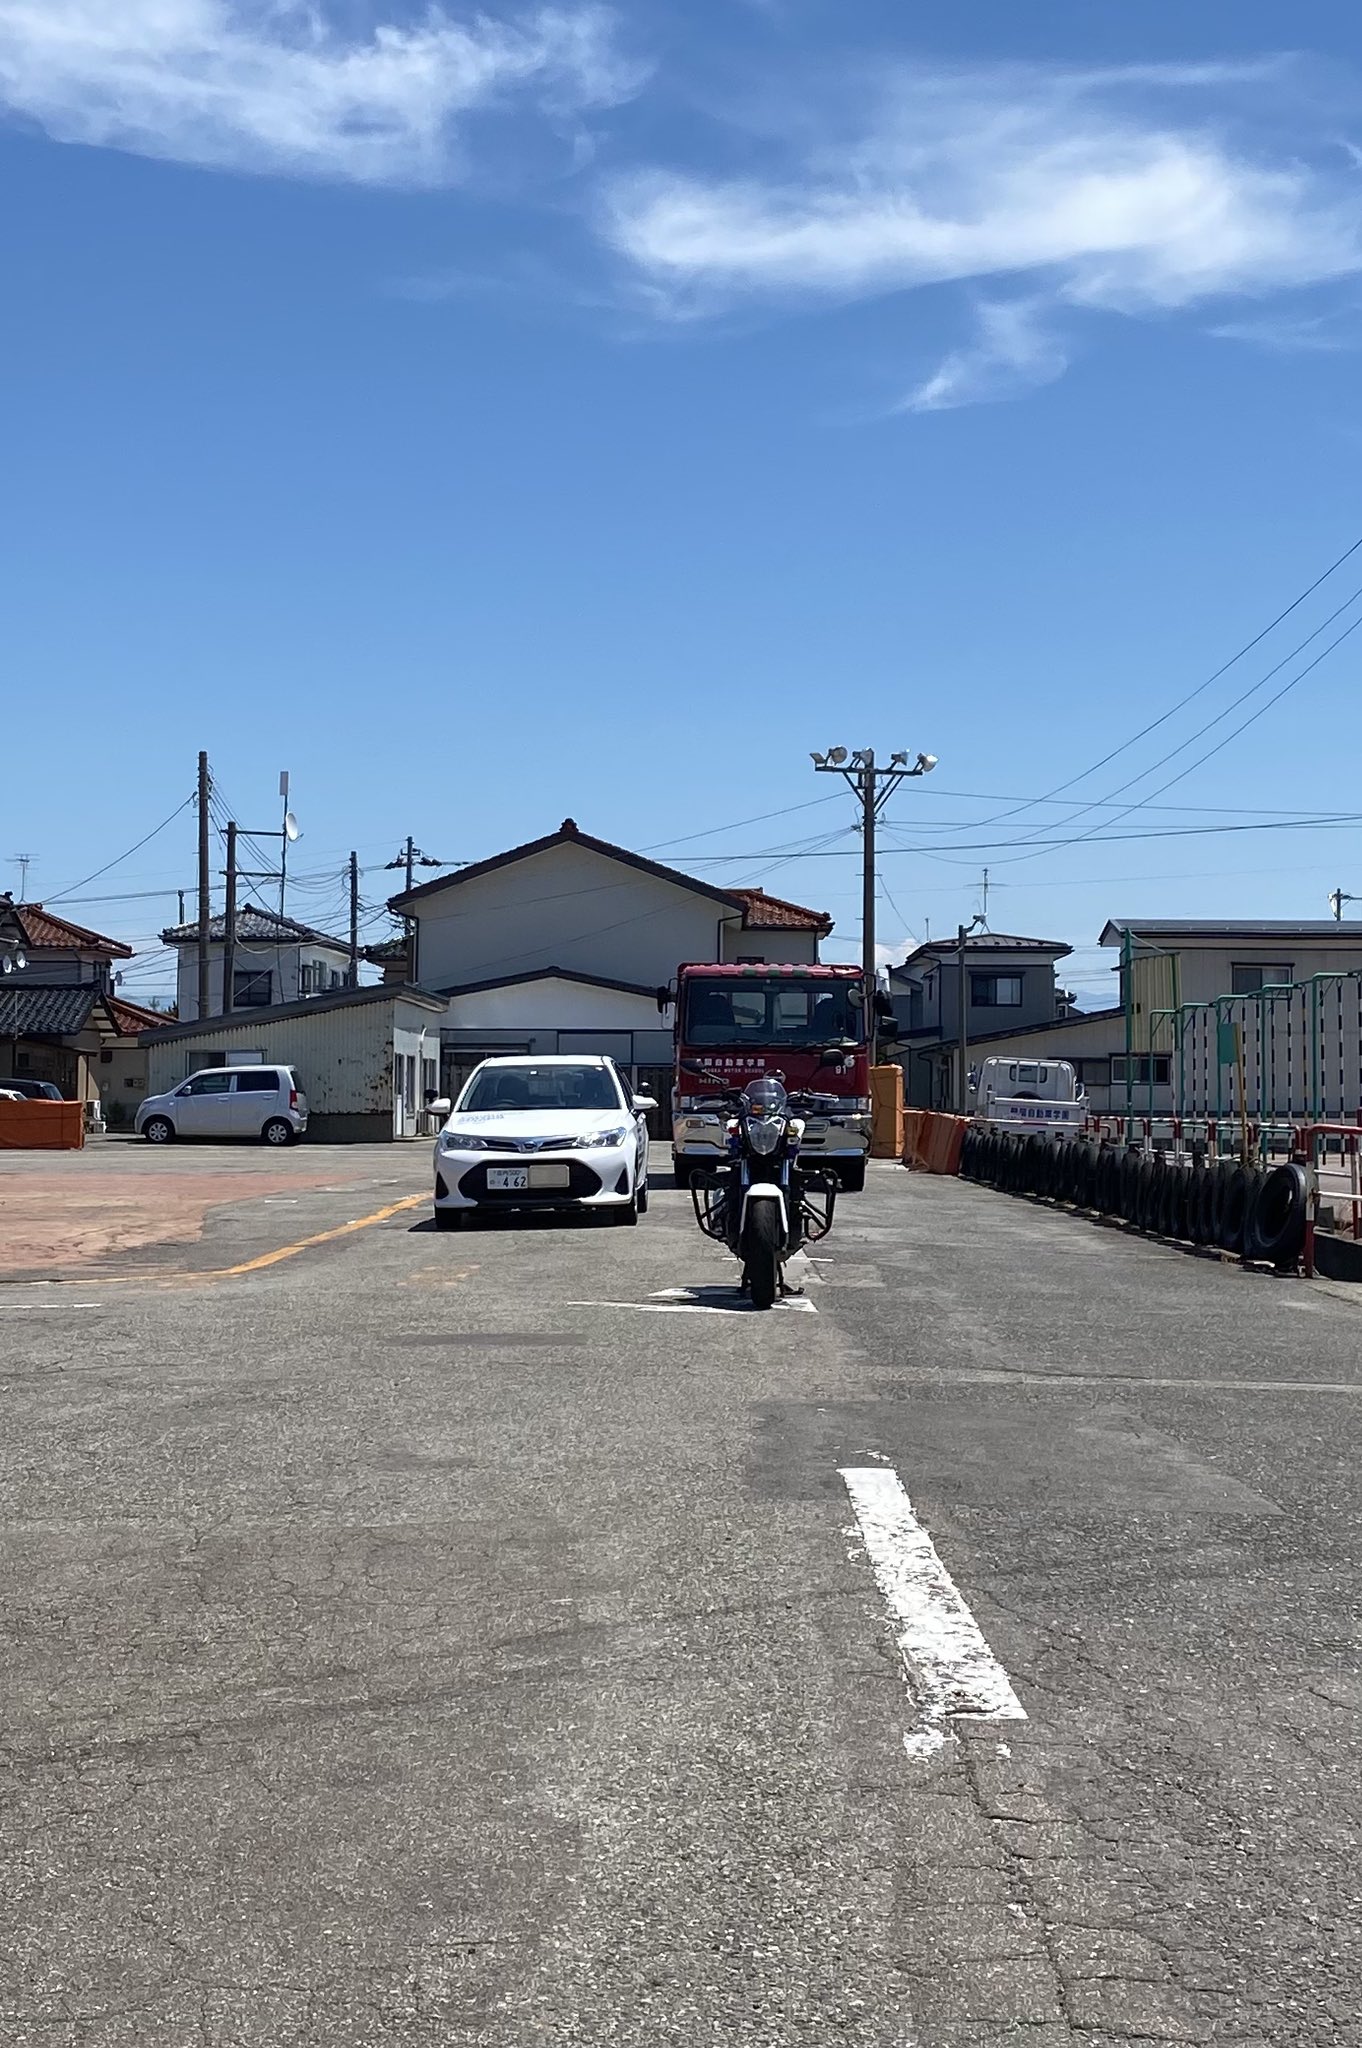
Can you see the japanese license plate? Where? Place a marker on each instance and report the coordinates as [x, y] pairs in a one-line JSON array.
[[508, 1178]]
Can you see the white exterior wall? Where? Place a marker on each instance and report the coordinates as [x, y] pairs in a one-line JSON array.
[[572, 907], [283, 962], [552, 1005]]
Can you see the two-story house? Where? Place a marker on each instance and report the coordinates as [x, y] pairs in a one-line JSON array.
[[561, 945], [1009, 985], [61, 1017], [275, 960]]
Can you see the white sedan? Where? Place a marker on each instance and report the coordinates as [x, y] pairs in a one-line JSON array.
[[552, 1133]]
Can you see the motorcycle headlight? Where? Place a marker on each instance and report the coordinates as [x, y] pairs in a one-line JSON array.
[[459, 1141], [595, 1140], [765, 1133]]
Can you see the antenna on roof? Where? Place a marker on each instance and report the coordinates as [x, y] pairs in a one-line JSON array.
[[22, 861]]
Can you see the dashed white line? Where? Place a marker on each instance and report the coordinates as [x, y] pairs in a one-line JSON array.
[[951, 1670]]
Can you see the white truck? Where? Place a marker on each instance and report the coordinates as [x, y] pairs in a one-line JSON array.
[[1030, 1095]]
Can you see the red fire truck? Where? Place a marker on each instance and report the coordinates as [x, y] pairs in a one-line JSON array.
[[806, 1024]]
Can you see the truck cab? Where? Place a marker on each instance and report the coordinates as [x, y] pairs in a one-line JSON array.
[[804, 1023]]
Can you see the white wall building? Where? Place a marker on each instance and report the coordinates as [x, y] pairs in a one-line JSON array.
[[561, 945], [276, 960]]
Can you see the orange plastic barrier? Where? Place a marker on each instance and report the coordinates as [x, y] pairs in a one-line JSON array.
[[914, 1122], [932, 1141], [886, 1102], [42, 1126]]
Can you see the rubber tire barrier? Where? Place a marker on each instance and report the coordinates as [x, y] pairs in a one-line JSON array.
[[1170, 1210], [1276, 1227], [1130, 1186], [1108, 1180], [1235, 1208], [1146, 1207], [1196, 1195], [1217, 1179]]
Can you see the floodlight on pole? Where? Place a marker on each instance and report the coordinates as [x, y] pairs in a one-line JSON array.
[[873, 787]]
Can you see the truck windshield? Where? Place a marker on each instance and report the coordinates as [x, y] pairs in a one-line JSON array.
[[731, 1011]]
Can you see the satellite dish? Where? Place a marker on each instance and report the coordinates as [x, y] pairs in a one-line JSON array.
[[290, 827]]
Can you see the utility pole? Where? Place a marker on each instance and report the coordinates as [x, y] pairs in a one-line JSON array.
[[180, 894], [229, 925], [873, 787], [1337, 899], [205, 908], [353, 976], [411, 857], [962, 1091]]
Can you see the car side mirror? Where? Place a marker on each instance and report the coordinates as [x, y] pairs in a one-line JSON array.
[[644, 1102], [441, 1106]]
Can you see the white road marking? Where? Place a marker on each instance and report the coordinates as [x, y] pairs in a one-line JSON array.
[[51, 1304], [951, 1670], [737, 1306]]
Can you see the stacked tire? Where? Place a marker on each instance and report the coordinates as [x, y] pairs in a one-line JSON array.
[[1222, 1203]]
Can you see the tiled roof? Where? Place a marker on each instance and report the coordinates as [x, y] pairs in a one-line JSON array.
[[130, 1018], [763, 913], [42, 928], [254, 927], [32, 1011], [385, 950]]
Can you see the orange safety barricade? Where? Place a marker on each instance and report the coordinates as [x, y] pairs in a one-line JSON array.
[[914, 1121], [886, 1102], [40, 1126]]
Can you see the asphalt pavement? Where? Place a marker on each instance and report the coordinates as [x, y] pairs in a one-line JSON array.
[[472, 1638]]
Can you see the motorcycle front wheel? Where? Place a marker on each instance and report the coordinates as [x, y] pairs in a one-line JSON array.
[[761, 1253]]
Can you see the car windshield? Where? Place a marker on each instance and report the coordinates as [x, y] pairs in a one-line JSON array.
[[530, 1087], [731, 1010]]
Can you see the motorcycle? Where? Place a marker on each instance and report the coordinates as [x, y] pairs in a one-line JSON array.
[[761, 1202]]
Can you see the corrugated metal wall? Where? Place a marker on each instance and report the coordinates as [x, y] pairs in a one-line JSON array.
[[343, 1055]]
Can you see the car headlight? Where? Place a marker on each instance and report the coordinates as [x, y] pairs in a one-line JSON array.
[[601, 1139], [459, 1141]]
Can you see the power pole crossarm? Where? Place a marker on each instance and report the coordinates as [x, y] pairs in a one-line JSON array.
[[873, 786]]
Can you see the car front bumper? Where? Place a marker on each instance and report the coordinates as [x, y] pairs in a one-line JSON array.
[[598, 1177]]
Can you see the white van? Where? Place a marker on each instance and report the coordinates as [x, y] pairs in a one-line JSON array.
[[265, 1103]]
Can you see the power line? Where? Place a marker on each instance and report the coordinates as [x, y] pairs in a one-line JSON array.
[[1191, 695], [63, 894], [1219, 746]]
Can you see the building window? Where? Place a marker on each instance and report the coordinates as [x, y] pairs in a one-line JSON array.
[[1248, 976], [251, 988], [430, 1080], [305, 979], [1139, 1069], [995, 991]]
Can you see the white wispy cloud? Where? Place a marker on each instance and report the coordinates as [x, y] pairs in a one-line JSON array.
[[1014, 351], [1140, 192], [278, 85]]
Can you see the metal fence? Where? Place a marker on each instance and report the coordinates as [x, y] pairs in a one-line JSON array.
[[1290, 1051]]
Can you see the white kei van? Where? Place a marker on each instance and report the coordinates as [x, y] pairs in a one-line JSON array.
[[265, 1103]]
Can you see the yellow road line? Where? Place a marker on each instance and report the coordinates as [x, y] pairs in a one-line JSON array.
[[291, 1251]]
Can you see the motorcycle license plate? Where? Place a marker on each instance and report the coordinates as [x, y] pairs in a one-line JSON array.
[[508, 1178]]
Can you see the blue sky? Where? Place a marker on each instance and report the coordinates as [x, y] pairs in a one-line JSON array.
[[573, 410]]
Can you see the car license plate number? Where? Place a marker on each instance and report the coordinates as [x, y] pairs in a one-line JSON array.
[[508, 1178]]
